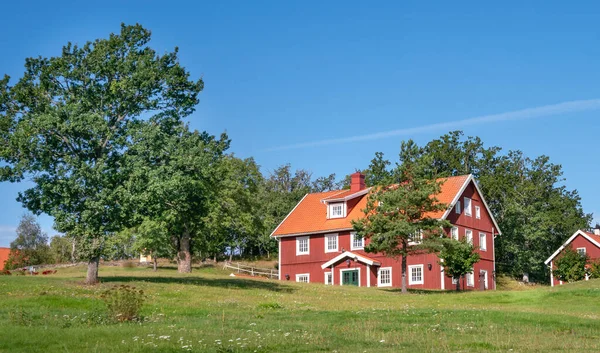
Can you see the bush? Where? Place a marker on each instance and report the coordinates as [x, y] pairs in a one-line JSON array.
[[124, 302], [128, 264], [5, 273], [570, 266]]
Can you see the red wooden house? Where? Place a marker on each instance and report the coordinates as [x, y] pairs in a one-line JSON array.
[[4, 252], [584, 242], [317, 244]]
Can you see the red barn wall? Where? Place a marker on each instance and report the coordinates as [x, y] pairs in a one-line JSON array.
[[3, 256]]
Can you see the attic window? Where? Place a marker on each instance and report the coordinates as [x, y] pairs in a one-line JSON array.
[[336, 210]]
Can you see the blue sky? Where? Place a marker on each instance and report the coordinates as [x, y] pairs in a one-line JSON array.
[[284, 73]]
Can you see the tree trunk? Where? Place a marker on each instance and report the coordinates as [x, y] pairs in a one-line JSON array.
[[230, 256], [184, 255], [404, 290], [215, 258], [155, 263], [92, 272], [73, 252], [458, 284]]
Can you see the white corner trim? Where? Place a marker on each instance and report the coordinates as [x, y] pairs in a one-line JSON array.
[[579, 232], [279, 260], [351, 255], [286, 217]]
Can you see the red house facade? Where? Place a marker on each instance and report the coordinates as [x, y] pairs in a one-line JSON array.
[[584, 242], [4, 253], [317, 243]]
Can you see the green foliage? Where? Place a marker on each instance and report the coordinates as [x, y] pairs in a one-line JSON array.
[[269, 305], [570, 266], [61, 249], [395, 213], [151, 237], [457, 258], [124, 302], [594, 269], [31, 245], [119, 246], [68, 123]]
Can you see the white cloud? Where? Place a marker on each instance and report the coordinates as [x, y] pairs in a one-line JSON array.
[[530, 113]]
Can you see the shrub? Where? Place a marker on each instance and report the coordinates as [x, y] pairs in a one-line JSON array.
[[5, 273], [570, 266], [124, 302], [594, 269], [128, 264]]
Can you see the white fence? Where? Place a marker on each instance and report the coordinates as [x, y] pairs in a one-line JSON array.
[[251, 270]]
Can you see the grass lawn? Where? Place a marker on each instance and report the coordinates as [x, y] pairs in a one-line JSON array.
[[207, 311]]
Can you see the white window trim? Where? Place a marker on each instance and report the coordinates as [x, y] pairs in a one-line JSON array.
[[352, 247], [337, 242], [584, 250], [327, 274], [457, 207], [455, 280], [472, 276], [452, 233], [482, 245], [303, 274], [467, 231], [412, 242], [485, 278], [330, 207], [477, 212], [349, 269], [468, 210], [379, 284], [298, 239], [410, 280]]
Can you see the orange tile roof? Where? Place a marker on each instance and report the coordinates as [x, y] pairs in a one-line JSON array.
[[310, 215], [3, 256], [592, 235], [341, 194]]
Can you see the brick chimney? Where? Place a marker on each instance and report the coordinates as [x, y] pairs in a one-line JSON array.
[[357, 182]]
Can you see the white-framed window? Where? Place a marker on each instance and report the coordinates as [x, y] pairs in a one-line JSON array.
[[470, 279], [457, 207], [328, 278], [454, 233], [477, 212], [331, 242], [581, 251], [454, 280], [336, 210], [469, 236], [356, 243], [302, 245], [384, 277], [482, 242], [415, 274], [304, 278], [416, 237], [468, 207]]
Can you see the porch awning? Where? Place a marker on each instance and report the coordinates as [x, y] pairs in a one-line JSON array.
[[350, 255]]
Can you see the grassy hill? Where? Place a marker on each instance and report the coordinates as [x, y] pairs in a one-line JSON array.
[[208, 311]]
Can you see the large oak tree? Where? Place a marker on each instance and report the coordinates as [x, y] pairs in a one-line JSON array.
[[66, 125]]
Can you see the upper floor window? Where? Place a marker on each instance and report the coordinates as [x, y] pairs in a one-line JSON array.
[[482, 242], [336, 210], [454, 233], [331, 242], [416, 237], [477, 212], [469, 236], [467, 206], [581, 251], [457, 207], [356, 242], [302, 245]]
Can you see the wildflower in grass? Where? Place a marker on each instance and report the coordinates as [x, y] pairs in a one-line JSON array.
[[382, 341]]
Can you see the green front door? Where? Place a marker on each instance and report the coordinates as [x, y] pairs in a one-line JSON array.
[[350, 278]]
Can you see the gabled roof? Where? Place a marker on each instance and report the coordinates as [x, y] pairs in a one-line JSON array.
[[310, 214], [348, 254], [593, 238]]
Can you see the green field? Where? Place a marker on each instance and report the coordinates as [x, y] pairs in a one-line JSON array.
[[208, 311]]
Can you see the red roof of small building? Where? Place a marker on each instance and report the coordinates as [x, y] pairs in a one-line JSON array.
[[3, 256], [310, 215]]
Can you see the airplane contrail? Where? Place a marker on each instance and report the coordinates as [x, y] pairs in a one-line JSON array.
[[537, 112]]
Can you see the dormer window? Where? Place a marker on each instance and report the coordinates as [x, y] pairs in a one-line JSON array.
[[336, 210]]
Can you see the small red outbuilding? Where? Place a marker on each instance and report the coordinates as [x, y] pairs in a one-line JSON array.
[[3, 256], [583, 242]]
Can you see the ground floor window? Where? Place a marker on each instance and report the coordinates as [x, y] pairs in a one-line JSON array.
[[384, 277], [454, 280], [470, 279], [415, 274], [302, 278], [328, 278]]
